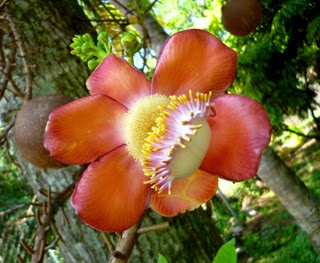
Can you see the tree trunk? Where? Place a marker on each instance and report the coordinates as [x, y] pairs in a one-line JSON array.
[[301, 203], [44, 33]]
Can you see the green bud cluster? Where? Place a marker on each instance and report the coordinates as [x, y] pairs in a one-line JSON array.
[[130, 43], [88, 51]]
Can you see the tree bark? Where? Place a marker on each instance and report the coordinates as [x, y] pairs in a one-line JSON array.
[[45, 31], [301, 203]]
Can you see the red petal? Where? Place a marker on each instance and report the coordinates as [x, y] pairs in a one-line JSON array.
[[194, 60], [117, 79], [111, 195], [85, 129], [186, 194], [240, 132]]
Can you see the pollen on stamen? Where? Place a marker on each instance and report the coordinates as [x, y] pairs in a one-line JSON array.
[[179, 140], [140, 121]]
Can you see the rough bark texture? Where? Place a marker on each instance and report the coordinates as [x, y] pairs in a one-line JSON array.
[[301, 203], [46, 30]]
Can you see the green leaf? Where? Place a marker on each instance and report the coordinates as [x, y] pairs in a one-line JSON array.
[[227, 253], [162, 259]]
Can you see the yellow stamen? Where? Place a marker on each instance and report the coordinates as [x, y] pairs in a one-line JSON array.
[[139, 122]]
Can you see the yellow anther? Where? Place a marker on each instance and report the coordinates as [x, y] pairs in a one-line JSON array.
[[185, 122]]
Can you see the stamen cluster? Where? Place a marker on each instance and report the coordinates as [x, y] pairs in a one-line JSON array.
[[179, 141]]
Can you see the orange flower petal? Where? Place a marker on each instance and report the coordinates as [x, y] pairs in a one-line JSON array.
[[240, 132], [186, 194], [117, 79], [111, 195], [85, 129], [194, 60]]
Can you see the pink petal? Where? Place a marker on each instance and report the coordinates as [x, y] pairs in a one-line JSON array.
[[186, 194], [241, 131], [85, 129], [194, 60], [111, 195], [117, 79]]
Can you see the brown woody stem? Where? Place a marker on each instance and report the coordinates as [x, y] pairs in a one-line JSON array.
[[125, 245]]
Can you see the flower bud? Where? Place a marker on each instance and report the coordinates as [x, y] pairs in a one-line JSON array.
[[88, 39], [130, 43], [93, 63]]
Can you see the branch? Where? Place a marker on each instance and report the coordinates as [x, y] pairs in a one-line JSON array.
[[108, 241], [150, 6], [128, 239], [12, 210], [45, 219], [125, 245], [303, 135], [146, 229], [22, 52], [14, 88], [6, 130], [8, 65], [3, 3], [315, 118]]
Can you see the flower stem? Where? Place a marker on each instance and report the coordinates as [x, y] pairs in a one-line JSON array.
[[125, 245], [161, 226], [128, 239]]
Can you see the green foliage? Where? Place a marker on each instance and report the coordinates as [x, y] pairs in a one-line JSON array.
[[273, 62], [268, 239], [14, 188], [177, 15], [298, 250], [162, 259], [15, 196], [227, 253], [313, 30]]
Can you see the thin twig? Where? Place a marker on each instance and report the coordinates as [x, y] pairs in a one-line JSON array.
[[14, 88], [315, 118], [108, 241], [150, 6], [22, 52], [303, 135], [3, 3], [8, 66], [12, 210], [45, 219], [146, 229], [6, 130]]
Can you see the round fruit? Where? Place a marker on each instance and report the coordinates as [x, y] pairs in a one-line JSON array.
[[29, 129], [241, 17]]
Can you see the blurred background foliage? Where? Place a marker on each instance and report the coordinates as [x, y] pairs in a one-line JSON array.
[[278, 65]]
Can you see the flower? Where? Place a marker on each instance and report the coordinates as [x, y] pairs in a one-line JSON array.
[[162, 144]]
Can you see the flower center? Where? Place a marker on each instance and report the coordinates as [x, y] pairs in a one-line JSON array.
[[139, 121], [179, 140]]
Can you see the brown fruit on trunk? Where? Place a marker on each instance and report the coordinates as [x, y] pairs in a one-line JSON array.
[[241, 17], [29, 129]]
